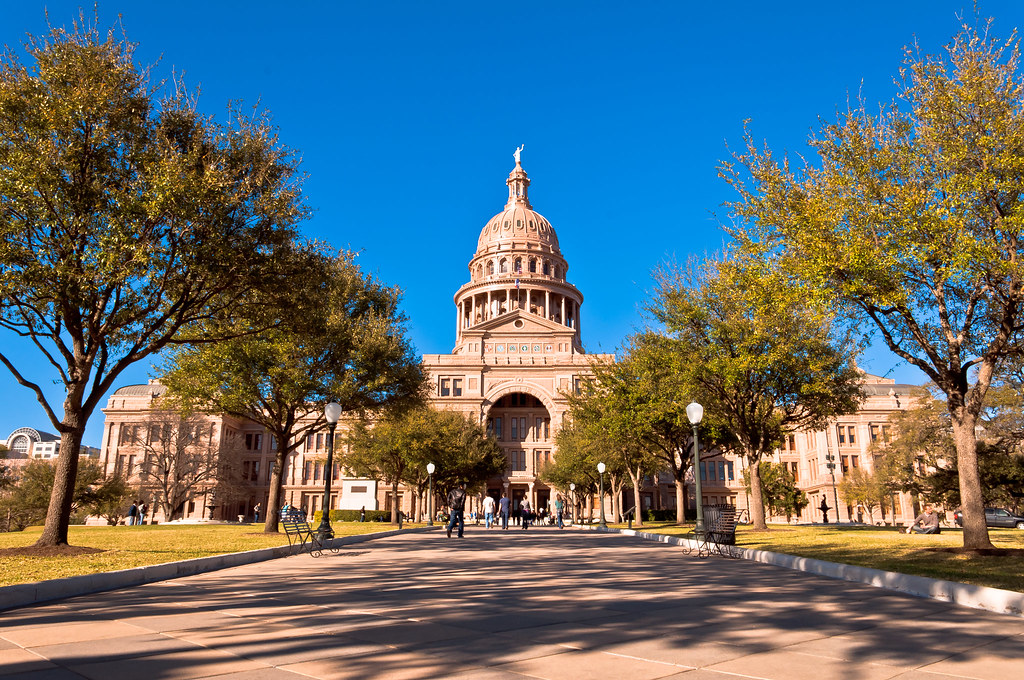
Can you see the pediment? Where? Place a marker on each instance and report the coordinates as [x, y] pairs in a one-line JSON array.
[[507, 323]]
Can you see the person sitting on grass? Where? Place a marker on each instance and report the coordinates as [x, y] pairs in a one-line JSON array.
[[926, 523]]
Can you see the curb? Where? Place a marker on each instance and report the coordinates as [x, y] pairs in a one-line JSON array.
[[24, 594], [977, 597]]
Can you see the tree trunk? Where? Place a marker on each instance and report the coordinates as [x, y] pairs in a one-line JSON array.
[[270, 524], [415, 504], [394, 501], [58, 515], [757, 497], [680, 502], [975, 529], [637, 513]]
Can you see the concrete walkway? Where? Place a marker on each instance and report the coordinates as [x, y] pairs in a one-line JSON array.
[[515, 604]]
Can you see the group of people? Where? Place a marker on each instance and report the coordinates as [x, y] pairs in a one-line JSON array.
[[136, 513], [457, 507]]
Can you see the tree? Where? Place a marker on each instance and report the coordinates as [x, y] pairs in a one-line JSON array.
[[760, 359], [7, 476], [126, 218], [110, 499], [395, 447], [181, 458], [30, 497], [911, 221], [779, 489], [340, 336], [860, 488], [602, 415]]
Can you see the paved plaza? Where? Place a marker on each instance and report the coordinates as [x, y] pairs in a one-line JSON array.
[[515, 604]]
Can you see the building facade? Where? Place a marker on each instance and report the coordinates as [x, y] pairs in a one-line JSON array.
[[518, 350]]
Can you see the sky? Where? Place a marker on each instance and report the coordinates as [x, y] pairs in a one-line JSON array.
[[406, 115]]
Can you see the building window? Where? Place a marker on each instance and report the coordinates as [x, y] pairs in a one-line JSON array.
[[456, 387], [533, 266], [850, 431], [729, 470], [253, 441], [446, 387], [490, 269], [794, 467], [853, 461], [518, 459], [703, 471], [497, 429], [515, 428], [503, 266], [721, 470], [547, 268], [841, 431]]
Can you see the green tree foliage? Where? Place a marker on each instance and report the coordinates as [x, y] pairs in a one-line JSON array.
[[868, 490], [603, 421], [396, 447], [110, 499], [780, 492], [911, 218], [30, 498], [760, 359], [340, 336], [6, 471], [126, 217], [921, 459]]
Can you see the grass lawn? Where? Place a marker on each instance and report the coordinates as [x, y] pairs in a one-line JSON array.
[[885, 548], [128, 547]]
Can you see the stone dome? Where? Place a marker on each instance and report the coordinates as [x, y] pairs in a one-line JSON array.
[[518, 223]]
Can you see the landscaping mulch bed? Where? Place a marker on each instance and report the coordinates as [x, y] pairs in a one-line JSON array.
[[987, 552], [49, 551]]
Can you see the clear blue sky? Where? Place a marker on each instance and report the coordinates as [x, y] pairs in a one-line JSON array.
[[406, 115]]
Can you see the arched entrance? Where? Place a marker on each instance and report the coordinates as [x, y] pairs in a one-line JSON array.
[[522, 425]]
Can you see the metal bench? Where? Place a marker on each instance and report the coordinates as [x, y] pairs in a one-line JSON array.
[[301, 534], [719, 535]]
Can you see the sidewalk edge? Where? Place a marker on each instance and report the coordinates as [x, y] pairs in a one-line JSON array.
[[977, 597]]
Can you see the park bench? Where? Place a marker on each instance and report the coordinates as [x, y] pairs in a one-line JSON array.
[[301, 534], [719, 535]]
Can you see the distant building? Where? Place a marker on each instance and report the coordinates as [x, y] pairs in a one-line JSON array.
[[29, 443]]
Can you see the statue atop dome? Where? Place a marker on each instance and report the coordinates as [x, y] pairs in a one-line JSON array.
[[517, 152]]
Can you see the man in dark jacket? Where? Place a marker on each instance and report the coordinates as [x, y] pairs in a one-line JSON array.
[[457, 503]]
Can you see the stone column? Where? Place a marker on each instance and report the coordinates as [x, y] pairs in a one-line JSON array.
[[565, 321]]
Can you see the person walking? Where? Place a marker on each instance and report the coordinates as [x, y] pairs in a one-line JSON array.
[[143, 509], [524, 512], [133, 513], [503, 509], [558, 512], [256, 513], [488, 511], [457, 503]]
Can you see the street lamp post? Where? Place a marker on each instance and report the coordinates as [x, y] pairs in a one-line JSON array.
[[331, 413], [575, 518], [430, 494], [695, 413], [601, 468]]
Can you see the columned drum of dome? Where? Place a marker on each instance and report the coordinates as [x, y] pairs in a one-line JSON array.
[[518, 343]]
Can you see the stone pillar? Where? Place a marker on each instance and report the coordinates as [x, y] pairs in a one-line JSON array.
[[472, 310], [547, 304], [489, 310], [565, 321]]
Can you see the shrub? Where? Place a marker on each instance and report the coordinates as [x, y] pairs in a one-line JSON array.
[[353, 516]]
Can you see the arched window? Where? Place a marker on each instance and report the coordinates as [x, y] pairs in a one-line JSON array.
[[554, 271], [533, 266], [490, 268], [547, 268], [518, 269], [503, 266]]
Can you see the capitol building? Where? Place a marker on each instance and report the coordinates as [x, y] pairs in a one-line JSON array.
[[518, 350]]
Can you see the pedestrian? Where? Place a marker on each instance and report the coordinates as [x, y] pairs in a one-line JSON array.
[[524, 513], [362, 514], [503, 510], [143, 509], [457, 503], [488, 511], [558, 511], [926, 523], [133, 513], [256, 513]]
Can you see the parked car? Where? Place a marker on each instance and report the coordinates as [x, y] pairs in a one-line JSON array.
[[994, 517]]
